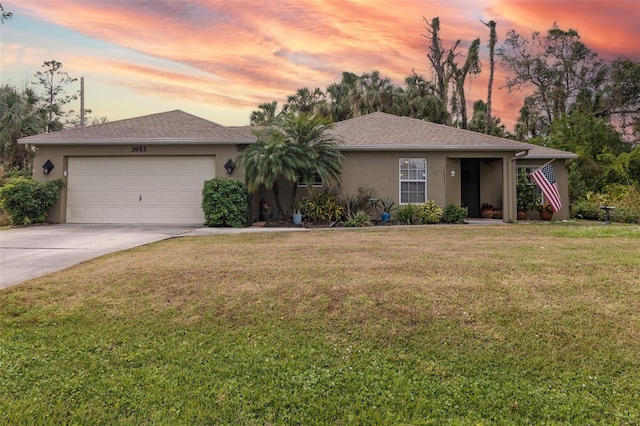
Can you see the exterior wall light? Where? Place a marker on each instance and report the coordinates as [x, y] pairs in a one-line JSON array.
[[47, 167], [230, 166]]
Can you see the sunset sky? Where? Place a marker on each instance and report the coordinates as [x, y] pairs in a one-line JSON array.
[[220, 59]]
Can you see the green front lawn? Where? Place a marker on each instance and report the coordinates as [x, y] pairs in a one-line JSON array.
[[519, 324]]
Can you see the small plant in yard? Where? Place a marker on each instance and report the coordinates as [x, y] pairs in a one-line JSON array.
[[360, 219], [359, 202], [408, 214], [322, 208], [545, 207], [419, 214], [430, 212], [387, 205], [454, 214]]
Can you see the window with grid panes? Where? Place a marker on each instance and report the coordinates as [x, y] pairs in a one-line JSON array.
[[413, 180]]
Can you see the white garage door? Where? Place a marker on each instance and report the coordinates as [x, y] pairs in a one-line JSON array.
[[137, 189]]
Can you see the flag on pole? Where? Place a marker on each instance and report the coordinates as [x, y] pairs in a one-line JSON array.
[[546, 181]]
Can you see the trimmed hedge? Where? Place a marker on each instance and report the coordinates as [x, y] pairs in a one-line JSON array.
[[225, 203], [28, 201]]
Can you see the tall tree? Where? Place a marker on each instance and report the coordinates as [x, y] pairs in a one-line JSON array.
[[471, 66], [493, 39], [19, 117], [477, 123], [340, 96], [306, 101], [558, 66], [440, 59], [372, 93], [419, 100], [265, 114], [54, 82], [622, 98]]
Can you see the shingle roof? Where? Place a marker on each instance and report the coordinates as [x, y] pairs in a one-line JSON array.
[[386, 131], [377, 131], [165, 127]]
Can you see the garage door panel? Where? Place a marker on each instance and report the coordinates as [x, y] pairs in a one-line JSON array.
[[137, 189]]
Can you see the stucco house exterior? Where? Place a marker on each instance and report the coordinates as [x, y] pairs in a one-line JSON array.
[[151, 169]]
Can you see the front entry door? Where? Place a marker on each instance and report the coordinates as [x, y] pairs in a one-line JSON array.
[[470, 185]]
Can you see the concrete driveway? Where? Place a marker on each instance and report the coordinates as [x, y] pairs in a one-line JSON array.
[[33, 251], [30, 252]]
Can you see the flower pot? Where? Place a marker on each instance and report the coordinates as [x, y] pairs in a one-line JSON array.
[[488, 214], [545, 215], [385, 216], [522, 215], [297, 218]]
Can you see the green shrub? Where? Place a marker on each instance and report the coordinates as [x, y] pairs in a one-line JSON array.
[[454, 214], [408, 214], [224, 202], [418, 214], [322, 208], [28, 201], [585, 209], [626, 215], [360, 219], [625, 199], [430, 212]]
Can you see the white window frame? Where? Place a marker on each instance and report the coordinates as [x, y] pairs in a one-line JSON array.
[[420, 176]]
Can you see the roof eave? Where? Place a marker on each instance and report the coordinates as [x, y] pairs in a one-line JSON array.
[[560, 156], [449, 148], [138, 141]]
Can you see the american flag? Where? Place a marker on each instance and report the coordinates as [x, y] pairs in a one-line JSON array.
[[546, 180]]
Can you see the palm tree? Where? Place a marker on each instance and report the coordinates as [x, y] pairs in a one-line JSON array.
[[293, 147], [19, 117], [264, 115], [420, 100]]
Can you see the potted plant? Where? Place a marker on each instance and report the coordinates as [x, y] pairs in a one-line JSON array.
[[387, 205], [526, 195], [297, 214], [497, 213], [546, 211], [486, 210]]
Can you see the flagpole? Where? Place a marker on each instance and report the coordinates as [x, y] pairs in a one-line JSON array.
[[548, 162]]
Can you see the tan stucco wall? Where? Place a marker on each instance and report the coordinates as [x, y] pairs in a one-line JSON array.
[[377, 170], [59, 156]]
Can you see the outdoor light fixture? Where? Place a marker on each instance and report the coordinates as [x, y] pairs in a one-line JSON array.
[[47, 167], [230, 166], [453, 172]]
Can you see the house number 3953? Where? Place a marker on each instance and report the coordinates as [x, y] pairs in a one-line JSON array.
[[138, 149]]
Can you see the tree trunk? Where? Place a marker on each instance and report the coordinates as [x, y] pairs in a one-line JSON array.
[[493, 38], [276, 195]]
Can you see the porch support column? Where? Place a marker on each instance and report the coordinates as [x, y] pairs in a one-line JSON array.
[[509, 207], [510, 213]]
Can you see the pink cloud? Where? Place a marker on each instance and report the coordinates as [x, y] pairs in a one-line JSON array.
[[228, 53]]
